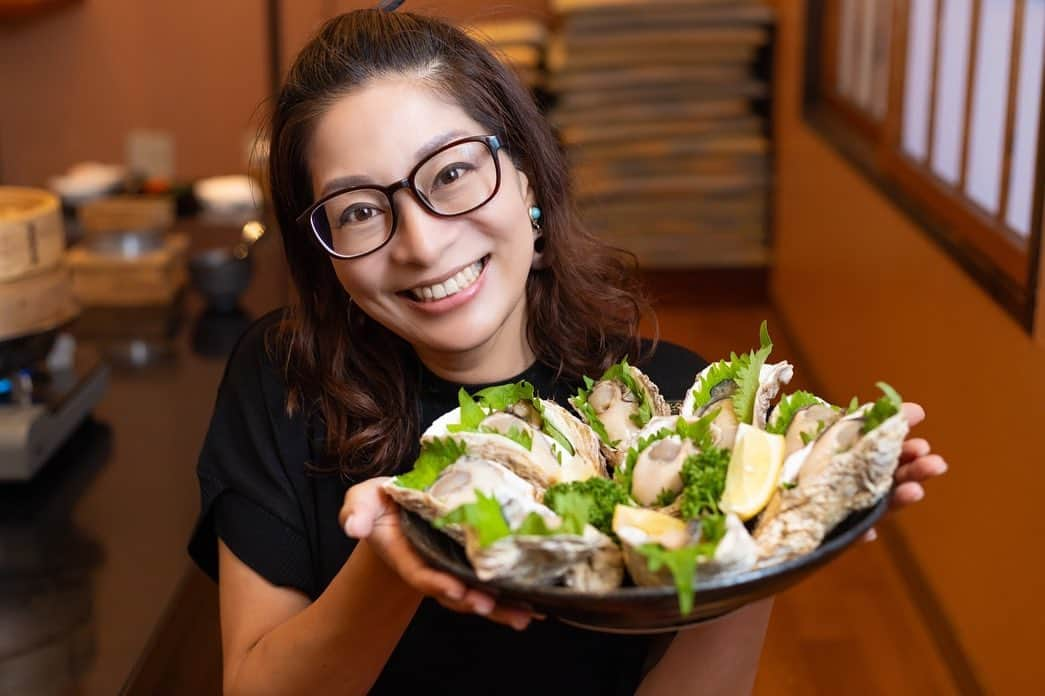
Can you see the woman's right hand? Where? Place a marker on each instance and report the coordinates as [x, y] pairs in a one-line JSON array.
[[368, 513]]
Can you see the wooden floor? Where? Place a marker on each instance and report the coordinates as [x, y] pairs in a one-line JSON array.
[[851, 628]]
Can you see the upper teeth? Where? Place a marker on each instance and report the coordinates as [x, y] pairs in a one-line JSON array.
[[451, 286]]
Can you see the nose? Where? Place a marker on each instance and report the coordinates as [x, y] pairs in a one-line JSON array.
[[420, 236]]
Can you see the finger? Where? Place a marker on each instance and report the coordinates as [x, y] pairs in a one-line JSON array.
[[869, 535], [914, 448], [921, 469], [907, 494], [914, 413], [513, 618], [364, 503]]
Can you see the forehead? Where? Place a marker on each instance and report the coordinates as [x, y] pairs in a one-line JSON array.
[[382, 129]]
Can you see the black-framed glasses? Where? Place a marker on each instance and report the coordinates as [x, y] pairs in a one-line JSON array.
[[456, 179]]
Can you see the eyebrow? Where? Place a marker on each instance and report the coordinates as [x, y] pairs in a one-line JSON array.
[[343, 182]]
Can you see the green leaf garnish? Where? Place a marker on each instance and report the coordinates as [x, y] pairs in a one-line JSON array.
[[716, 374], [436, 455], [854, 404], [471, 414], [698, 432], [748, 379], [603, 494], [703, 480], [665, 497], [883, 409], [787, 409], [683, 565], [484, 517], [499, 398]]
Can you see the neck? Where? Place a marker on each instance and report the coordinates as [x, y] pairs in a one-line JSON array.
[[504, 355]]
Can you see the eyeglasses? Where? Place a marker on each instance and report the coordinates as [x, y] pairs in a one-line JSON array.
[[456, 179]]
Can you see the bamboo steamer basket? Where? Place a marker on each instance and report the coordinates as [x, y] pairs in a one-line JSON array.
[[32, 238], [36, 303]]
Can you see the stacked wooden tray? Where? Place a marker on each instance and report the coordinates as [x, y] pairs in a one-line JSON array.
[[661, 106]]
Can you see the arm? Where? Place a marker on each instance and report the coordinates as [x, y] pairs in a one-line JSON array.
[[275, 641], [719, 658]]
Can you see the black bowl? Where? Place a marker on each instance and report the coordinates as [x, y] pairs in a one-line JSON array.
[[639, 609]]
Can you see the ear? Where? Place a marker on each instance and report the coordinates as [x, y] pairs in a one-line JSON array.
[[525, 190]]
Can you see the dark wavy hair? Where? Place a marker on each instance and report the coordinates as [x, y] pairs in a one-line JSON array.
[[584, 305]]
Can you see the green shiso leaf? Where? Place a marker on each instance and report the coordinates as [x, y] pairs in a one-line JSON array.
[[748, 379], [484, 517], [622, 373], [787, 409], [854, 404], [436, 455], [580, 402], [717, 373], [471, 414], [883, 409], [683, 565], [501, 397], [551, 431], [603, 494]]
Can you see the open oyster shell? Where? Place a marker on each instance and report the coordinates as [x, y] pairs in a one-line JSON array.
[[736, 551], [589, 562], [840, 472], [456, 486], [770, 380], [614, 404], [539, 465]]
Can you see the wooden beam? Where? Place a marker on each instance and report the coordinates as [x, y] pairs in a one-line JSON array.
[[970, 85], [933, 91], [1010, 107]]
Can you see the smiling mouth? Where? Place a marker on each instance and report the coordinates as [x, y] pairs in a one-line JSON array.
[[462, 280]]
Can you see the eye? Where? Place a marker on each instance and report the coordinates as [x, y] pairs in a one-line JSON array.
[[452, 173], [360, 213]]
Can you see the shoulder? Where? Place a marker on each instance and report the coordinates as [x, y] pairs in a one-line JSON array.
[[254, 357], [671, 367]]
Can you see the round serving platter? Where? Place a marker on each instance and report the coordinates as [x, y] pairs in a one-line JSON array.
[[639, 609]]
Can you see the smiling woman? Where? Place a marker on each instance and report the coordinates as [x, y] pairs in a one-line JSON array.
[[468, 270]]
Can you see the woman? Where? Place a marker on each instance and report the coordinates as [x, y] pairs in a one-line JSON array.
[[470, 269]]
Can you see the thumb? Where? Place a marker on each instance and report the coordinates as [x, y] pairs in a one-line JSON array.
[[364, 504]]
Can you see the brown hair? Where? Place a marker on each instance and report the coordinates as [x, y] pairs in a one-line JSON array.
[[584, 305]]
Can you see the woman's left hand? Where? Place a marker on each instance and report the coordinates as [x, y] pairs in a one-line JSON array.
[[917, 465]]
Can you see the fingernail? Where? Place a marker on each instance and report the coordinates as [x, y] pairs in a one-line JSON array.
[[872, 535], [348, 525], [482, 607], [456, 594], [520, 623]]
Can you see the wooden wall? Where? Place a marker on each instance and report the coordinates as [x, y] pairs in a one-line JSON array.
[[867, 297], [75, 81]]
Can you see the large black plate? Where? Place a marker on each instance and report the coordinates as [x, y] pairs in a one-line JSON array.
[[639, 609]]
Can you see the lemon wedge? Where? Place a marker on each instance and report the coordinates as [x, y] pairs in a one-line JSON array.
[[754, 471], [654, 524]]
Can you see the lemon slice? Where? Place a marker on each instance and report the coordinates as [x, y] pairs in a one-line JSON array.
[[654, 524], [754, 471]]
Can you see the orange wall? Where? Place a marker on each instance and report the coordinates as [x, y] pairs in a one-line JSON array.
[[868, 296], [75, 81]]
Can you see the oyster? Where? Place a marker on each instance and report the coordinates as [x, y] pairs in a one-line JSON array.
[[770, 379], [842, 471], [733, 550], [588, 561], [535, 438], [618, 405], [652, 469], [457, 484]]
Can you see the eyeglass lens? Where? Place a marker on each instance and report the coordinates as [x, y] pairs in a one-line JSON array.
[[450, 182]]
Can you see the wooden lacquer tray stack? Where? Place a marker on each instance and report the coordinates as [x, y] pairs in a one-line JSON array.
[[661, 105]]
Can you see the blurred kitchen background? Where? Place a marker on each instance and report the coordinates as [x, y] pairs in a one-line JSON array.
[[866, 174]]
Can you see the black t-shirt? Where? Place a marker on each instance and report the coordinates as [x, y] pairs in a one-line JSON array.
[[280, 518]]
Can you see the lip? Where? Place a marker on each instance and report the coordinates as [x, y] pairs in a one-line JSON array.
[[453, 301]]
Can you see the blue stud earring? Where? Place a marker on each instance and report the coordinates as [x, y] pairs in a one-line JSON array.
[[535, 217]]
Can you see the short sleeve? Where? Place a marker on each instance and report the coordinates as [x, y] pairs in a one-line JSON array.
[[250, 472], [672, 368]]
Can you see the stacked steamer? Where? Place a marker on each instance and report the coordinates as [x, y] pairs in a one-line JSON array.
[[35, 288], [519, 43], [661, 107]]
